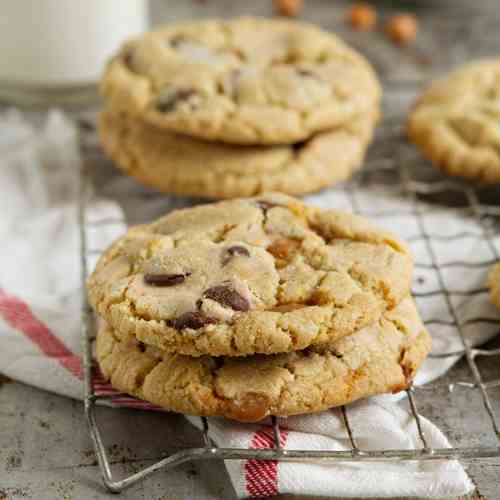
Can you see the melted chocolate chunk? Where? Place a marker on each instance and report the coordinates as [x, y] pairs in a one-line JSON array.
[[230, 252], [141, 346], [228, 297], [165, 279], [169, 101], [194, 320]]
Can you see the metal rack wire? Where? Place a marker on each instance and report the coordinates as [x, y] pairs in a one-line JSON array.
[[406, 182]]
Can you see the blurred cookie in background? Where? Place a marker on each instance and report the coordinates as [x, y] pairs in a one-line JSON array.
[[456, 122]]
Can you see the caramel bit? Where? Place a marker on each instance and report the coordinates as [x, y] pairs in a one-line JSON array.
[[402, 28], [289, 8], [252, 407], [283, 308], [399, 388], [362, 17], [284, 248]]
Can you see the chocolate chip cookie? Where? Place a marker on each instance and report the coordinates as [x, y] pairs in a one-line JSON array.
[[245, 81], [494, 284], [256, 275], [455, 122], [181, 165], [379, 358]]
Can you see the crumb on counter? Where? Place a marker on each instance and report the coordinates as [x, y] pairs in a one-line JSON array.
[[288, 8], [362, 16], [402, 28]]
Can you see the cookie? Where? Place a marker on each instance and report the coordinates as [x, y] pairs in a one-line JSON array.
[[455, 122], [246, 81], [379, 358], [494, 284], [255, 275], [182, 165]]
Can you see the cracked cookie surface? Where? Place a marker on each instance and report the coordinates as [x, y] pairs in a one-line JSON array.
[[252, 275], [379, 358], [246, 81], [494, 284], [185, 166], [456, 122]]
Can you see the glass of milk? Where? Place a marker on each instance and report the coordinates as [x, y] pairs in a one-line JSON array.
[[54, 51]]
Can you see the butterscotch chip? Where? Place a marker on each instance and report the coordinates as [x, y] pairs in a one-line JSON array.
[[284, 248], [288, 8], [245, 81], [382, 357], [362, 16], [219, 275], [455, 122], [402, 28]]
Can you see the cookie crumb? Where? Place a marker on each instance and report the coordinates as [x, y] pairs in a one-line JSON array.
[[402, 28], [289, 8], [362, 17]]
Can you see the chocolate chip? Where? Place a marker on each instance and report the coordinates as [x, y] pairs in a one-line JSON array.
[[306, 73], [194, 320], [177, 40], [168, 102], [227, 296], [298, 146], [165, 279], [128, 59], [141, 346], [265, 205], [230, 252]]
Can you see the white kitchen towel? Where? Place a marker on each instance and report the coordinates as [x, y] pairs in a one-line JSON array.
[[378, 426], [40, 320]]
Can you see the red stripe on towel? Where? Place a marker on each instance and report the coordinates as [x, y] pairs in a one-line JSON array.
[[262, 475], [18, 315]]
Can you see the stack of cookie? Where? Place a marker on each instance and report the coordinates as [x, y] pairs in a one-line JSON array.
[[255, 307], [222, 109]]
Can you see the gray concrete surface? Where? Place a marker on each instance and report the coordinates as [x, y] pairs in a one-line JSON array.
[[45, 450]]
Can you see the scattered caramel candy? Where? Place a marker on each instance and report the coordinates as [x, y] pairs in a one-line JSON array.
[[283, 248], [362, 16], [402, 28], [288, 8]]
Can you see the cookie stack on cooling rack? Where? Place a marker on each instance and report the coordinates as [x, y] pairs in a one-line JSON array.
[[221, 109], [255, 307]]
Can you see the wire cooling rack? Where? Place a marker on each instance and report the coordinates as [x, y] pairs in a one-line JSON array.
[[424, 191]]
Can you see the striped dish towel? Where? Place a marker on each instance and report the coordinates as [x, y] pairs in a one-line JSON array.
[[40, 324]]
